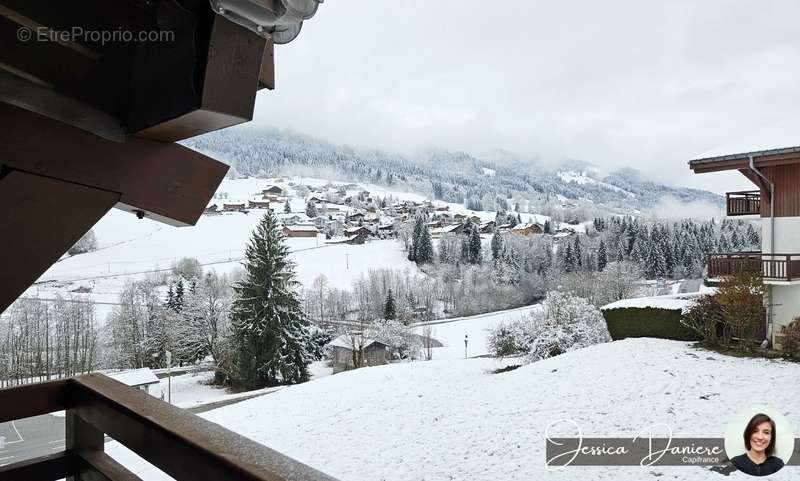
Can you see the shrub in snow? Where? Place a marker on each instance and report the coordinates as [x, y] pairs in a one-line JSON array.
[[564, 323], [87, 243], [510, 338], [741, 297], [791, 340], [705, 318]]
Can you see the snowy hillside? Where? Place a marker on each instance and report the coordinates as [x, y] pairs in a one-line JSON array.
[[456, 420], [132, 249], [451, 176]]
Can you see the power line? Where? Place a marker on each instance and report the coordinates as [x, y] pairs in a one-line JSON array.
[[153, 271]]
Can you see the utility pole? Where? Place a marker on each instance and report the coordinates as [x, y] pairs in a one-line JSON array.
[[347, 260], [466, 341]]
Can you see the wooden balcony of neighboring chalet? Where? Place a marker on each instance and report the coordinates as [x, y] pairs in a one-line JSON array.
[[774, 268], [743, 203]]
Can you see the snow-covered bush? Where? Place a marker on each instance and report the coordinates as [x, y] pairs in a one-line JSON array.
[[565, 322], [87, 243], [510, 338], [318, 339]]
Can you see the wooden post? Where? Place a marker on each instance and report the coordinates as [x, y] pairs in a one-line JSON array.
[[82, 437]]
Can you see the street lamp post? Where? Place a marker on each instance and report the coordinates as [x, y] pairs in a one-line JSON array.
[[466, 341], [168, 355]]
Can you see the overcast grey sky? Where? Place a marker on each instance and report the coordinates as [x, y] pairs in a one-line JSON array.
[[647, 84]]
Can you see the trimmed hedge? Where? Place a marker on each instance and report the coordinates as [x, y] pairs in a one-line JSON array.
[[647, 322]]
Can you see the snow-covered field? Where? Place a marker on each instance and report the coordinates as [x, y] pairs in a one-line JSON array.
[[451, 332], [455, 420]]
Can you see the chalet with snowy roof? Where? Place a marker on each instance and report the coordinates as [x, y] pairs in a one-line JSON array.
[[258, 204], [292, 218], [527, 229], [346, 348], [358, 230], [357, 239], [300, 231], [142, 379], [234, 206], [486, 227], [448, 229], [211, 209], [356, 217], [272, 189], [774, 170]]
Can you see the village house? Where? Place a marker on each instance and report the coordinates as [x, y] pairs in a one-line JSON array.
[[234, 206], [448, 229], [211, 209], [776, 201], [258, 204], [272, 190], [372, 352], [350, 231], [142, 379], [527, 229], [300, 231], [486, 227]]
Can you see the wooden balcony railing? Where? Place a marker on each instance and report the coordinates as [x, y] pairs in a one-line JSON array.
[[744, 203], [182, 445], [776, 267]]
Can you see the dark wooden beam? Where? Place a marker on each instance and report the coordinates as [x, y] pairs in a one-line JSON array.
[[266, 78], [41, 218], [44, 468], [166, 181], [180, 444], [94, 465], [230, 79], [33, 399]]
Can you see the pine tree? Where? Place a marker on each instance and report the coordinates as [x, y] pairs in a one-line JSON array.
[[389, 309], [287, 209], [577, 252], [569, 259], [271, 335], [178, 299], [497, 245], [415, 236], [475, 255], [311, 209], [602, 256], [548, 228], [424, 246]]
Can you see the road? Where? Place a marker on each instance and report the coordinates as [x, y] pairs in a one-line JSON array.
[[31, 437]]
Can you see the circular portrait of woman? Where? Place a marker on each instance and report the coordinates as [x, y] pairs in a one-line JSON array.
[[759, 441]]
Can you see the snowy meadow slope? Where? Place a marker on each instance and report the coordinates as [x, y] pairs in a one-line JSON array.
[[456, 420]]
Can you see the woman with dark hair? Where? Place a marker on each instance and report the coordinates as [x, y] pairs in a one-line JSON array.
[[759, 440]]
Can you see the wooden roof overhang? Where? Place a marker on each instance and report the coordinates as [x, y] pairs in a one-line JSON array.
[[762, 158], [92, 96]]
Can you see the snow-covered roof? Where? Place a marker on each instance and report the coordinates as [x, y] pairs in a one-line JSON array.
[[345, 342], [136, 377], [301, 228], [446, 229], [673, 302], [525, 226]]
